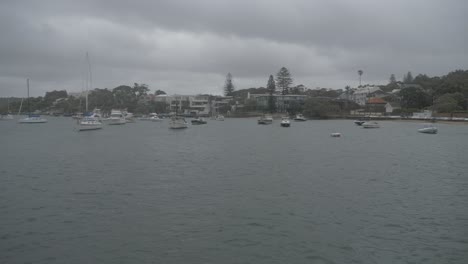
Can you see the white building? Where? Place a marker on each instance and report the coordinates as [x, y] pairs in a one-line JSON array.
[[360, 95], [193, 104]]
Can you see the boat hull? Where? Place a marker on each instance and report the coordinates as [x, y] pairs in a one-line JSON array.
[[359, 122], [428, 130], [178, 126], [370, 125], [115, 122], [32, 121], [285, 124], [89, 127]]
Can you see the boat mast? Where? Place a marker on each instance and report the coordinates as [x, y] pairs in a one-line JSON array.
[[88, 78], [29, 110]]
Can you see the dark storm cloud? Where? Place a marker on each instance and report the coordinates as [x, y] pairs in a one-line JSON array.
[[189, 46]]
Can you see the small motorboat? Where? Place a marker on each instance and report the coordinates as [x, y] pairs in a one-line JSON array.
[[198, 121], [428, 129], [285, 122], [220, 118], [359, 122], [370, 124], [336, 134], [265, 120], [177, 122], [299, 117]]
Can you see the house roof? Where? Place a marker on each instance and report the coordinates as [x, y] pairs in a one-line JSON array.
[[376, 100]]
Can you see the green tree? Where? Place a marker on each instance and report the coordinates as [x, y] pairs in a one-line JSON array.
[[284, 80], [392, 78], [408, 78], [102, 99], [124, 97], [320, 108], [159, 92], [140, 90], [228, 85], [413, 97], [271, 87], [447, 103]]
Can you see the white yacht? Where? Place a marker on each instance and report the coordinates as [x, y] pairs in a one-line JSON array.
[[89, 123], [116, 118], [285, 122], [299, 117], [220, 118], [177, 122], [370, 124], [265, 120], [428, 129]]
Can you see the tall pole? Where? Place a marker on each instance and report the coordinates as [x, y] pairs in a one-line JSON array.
[[89, 77], [29, 110]]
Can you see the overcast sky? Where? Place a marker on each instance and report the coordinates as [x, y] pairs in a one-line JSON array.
[[188, 47]]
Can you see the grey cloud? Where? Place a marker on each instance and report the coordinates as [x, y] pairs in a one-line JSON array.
[[189, 46]]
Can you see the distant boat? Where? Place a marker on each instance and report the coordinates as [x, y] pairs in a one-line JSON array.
[[359, 122], [220, 117], [265, 120], [116, 118], [129, 118], [428, 129], [90, 121], [336, 134], [7, 115], [150, 117], [31, 119], [285, 122], [198, 121], [370, 124], [300, 117], [177, 122]]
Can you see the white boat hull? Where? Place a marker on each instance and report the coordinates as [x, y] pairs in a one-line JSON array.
[[370, 125], [89, 127], [176, 125], [428, 130], [115, 122], [33, 120], [6, 117]]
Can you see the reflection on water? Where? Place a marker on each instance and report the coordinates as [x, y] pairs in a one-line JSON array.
[[233, 192]]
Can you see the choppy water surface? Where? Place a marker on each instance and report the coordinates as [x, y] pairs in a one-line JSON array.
[[233, 192]]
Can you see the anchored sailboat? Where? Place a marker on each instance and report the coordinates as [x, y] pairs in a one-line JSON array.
[[90, 121], [31, 119]]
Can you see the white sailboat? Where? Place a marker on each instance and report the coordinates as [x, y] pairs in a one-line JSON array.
[[31, 119], [90, 121]]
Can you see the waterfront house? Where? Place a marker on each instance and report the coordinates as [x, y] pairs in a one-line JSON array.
[[376, 105], [392, 107]]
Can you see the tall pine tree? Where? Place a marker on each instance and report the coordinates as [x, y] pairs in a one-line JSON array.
[[271, 87], [228, 85], [283, 80], [408, 78]]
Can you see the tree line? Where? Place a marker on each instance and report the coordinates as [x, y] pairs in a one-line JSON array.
[[134, 99]]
